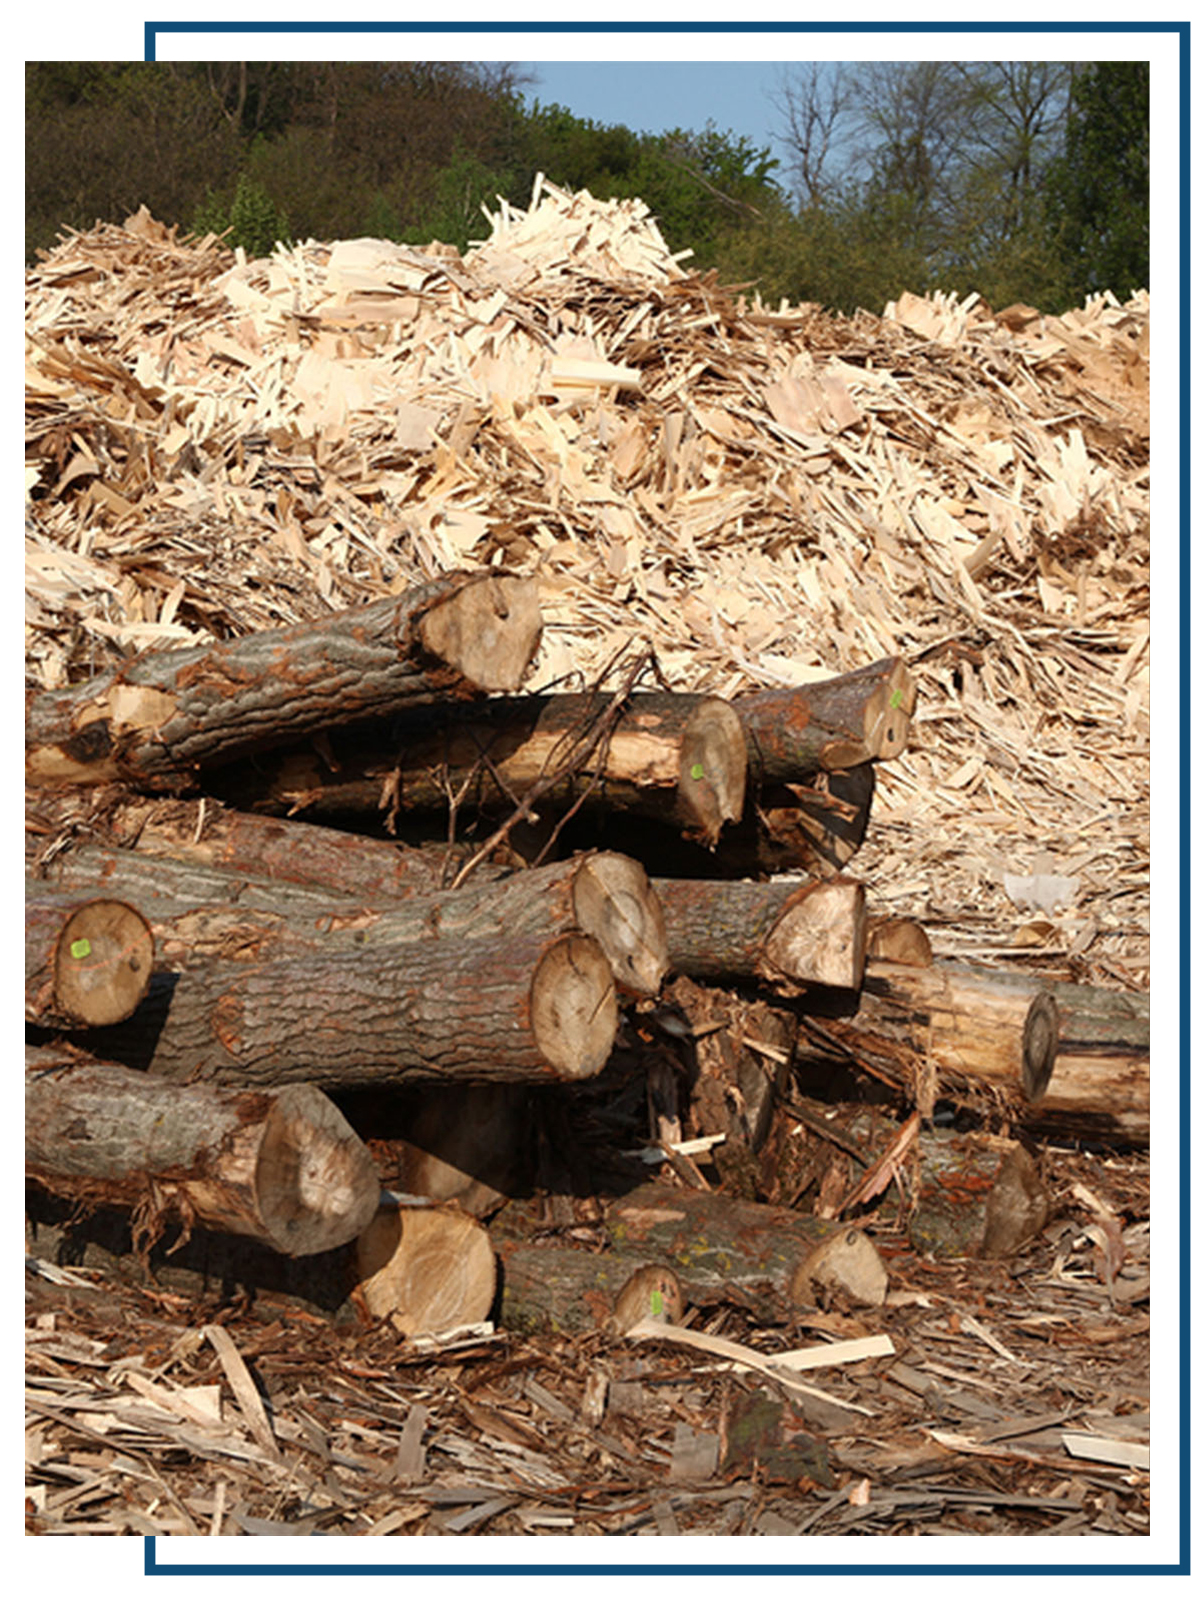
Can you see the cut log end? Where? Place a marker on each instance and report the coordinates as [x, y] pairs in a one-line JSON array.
[[887, 714], [616, 905], [846, 1267], [316, 1180], [425, 1270], [1039, 1046], [573, 1007], [651, 1291], [102, 963], [821, 936], [488, 632], [712, 775]]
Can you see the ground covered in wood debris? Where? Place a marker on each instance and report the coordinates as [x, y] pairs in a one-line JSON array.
[[765, 496]]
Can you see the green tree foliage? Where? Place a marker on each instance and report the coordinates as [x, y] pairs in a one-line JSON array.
[[249, 218], [1098, 192], [1019, 180]]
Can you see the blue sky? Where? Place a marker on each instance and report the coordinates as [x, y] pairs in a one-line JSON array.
[[656, 96]]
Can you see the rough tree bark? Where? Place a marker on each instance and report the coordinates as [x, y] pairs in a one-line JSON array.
[[720, 1249], [680, 758], [467, 1010], [840, 722], [786, 934], [290, 851], [285, 1168], [87, 961], [156, 720], [200, 912]]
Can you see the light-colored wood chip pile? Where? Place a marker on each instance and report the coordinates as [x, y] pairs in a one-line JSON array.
[[766, 495]]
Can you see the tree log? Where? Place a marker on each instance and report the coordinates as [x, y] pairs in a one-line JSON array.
[[784, 829], [467, 1010], [722, 1250], [943, 1030], [200, 912], [156, 720], [285, 1168], [680, 758], [1095, 1084], [1100, 1088], [343, 864], [785, 934], [425, 1270], [839, 722], [87, 961]]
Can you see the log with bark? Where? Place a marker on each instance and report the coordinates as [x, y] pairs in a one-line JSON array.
[[721, 1250], [836, 723], [944, 1030], [200, 912], [789, 935], [678, 758], [156, 720], [785, 828], [425, 1269], [88, 960], [463, 1010], [1100, 1088], [346, 865], [285, 1167], [966, 1021]]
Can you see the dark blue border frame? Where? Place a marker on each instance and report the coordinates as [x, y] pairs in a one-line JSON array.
[[1184, 32]]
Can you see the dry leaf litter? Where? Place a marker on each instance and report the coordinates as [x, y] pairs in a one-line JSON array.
[[766, 495]]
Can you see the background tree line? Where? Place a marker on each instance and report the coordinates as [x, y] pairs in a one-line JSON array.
[[1018, 180]]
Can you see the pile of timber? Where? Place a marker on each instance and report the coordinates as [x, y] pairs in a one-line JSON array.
[[255, 663], [206, 966]]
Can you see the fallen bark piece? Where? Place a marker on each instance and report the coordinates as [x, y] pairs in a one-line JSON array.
[[425, 1270], [88, 961], [787, 934], [200, 912], [285, 1168], [679, 758], [156, 720], [840, 722], [464, 1010], [765, 1438], [782, 1368]]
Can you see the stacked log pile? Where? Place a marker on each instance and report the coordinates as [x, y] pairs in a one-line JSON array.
[[364, 544]]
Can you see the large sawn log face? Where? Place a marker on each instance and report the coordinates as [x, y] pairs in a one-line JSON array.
[[157, 720], [285, 1167]]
